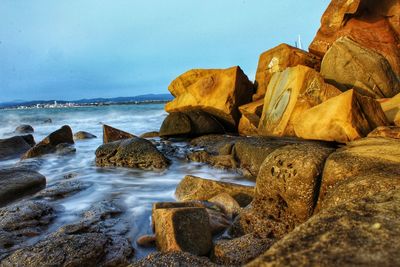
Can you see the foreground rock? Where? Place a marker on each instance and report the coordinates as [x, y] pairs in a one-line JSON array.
[[81, 135], [196, 188], [216, 91], [278, 59], [17, 183], [15, 146], [363, 232], [348, 65], [54, 141], [111, 134], [133, 153], [173, 259], [251, 114], [24, 129], [344, 118], [386, 131]]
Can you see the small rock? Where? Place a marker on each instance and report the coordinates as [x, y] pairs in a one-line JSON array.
[[147, 241], [150, 135], [24, 128], [81, 135]]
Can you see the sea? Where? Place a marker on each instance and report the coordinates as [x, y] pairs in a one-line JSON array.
[[134, 190]]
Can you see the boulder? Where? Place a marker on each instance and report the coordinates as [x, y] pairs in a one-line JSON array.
[[17, 183], [391, 107], [63, 189], [373, 24], [150, 135], [386, 131], [363, 232], [81, 135], [289, 94], [278, 59], [348, 65], [251, 114], [111, 134], [15, 146], [196, 188], [183, 229], [227, 203], [344, 118], [146, 241], [133, 153], [218, 92], [246, 127], [24, 129], [164, 259], [49, 144]]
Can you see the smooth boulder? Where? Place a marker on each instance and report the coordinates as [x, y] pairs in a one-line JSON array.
[[24, 129], [81, 135], [111, 134], [15, 146]]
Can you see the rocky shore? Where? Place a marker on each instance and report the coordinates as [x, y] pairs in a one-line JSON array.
[[318, 133]]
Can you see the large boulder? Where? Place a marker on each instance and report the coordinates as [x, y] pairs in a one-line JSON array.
[[216, 91], [15, 146], [278, 59], [133, 153], [289, 94], [348, 65], [363, 232], [344, 118], [251, 114], [51, 143], [111, 134], [373, 24]]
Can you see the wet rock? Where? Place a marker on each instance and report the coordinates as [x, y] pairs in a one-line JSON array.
[[81, 135], [48, 120], [386, 131], [363, 232], [64, 149], [133, 153], [24, 128], [111, 134], [173, 259], [196, 188], [15, 146], [227, 203], [63, 189], [239, 251], [150, 135], [146, 241], [16, 183], [49, 144]]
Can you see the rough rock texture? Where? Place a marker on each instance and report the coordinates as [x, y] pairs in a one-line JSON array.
[[17, 183], [278, 59], [134, 153], [373, 24], [251, 114], [386, 131], [111, 134], [344, 118], [49, 144], [391, 107], [348, 65], [183, 229], [81, 135], [15, 146], [169, 259], [63, 189], [289, 94], [239, 251], [24, 129], [363, 232], [227, 203], [216, 91], [196, 188]]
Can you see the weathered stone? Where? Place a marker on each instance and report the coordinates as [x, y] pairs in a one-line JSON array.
[[289, 94], [15, 146], [344, 118], [150, 135], [176, 124], [363, 232], [24, 128], [228, 204], [146, 241], [251, 114], [239, 251], [134, 153], [278, 59], [246, 128], [216, 91], [196, 188], [348, 65], [111, 134], [386, 131], [373, 24], [49, 144], [81, 135], [183, 229], [17, 183], [391, 107], [160, 259], [63, 189]]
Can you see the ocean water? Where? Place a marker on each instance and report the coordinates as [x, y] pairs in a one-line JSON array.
[[135, 190]]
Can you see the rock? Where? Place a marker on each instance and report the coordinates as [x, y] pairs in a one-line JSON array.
[[183, 229], [363, 232], [17, 183], [23, 129], [111, 134], [348, 65], [146, 241], [227, 203], [289, 94], [391, 107], [48, 120], [63, 189], [251, 114], [344, 118], [373, 24], [160, 259], [219, 221], [15, 146], [49, 144], [176, 124], [81, 135], [278, 59], [150, 135], [239, 251], [218, 92], [133, 153], [196, 188], [386, 131]]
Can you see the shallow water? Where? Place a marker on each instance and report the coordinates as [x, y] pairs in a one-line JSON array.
[[134, 189]]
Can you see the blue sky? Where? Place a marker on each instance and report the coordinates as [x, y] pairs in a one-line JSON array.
[[94, 48]]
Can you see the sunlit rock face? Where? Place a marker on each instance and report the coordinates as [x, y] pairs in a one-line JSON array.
[[391, 107], [373, 24], [290, 93], [250, 119]]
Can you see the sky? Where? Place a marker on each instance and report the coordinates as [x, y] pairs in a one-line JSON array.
[[95, 48]]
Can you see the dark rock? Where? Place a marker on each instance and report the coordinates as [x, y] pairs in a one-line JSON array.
[[63, 189], [17, 183], [24, 128], [111, 134], [134, 153], [150, 135], [173, 259], [81, 135], [176, 124], [15, 146], [48, 120]]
